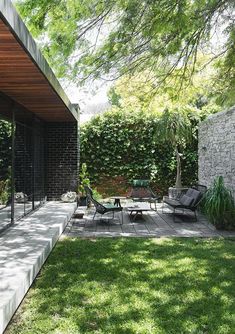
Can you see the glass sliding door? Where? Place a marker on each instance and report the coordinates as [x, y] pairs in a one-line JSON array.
[[21, 162]]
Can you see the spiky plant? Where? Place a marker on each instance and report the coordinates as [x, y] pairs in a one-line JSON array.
[[219, 205]]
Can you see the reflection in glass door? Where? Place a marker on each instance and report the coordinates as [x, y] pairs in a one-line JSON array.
[[21, 162], [29, 167], [5, 172], [23, 171]]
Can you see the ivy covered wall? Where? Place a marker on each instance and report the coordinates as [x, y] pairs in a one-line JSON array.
[[120, 146]]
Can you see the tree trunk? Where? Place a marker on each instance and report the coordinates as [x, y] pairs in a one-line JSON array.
[[178, 183]]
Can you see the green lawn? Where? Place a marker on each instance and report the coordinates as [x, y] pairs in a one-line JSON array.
[[133, 286]]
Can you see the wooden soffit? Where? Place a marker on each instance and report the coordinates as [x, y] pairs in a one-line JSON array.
[[25, 76]]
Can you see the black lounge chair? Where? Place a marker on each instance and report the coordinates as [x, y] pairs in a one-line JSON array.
[[188, 201], [102, 208], [201, 188], [141, 192]]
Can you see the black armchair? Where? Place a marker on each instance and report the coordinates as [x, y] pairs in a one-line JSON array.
[[102, 208]]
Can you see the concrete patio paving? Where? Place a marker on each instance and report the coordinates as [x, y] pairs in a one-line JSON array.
[[151, 224]]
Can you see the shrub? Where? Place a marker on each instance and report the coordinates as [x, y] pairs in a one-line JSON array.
[[219, 205], [84, 180]]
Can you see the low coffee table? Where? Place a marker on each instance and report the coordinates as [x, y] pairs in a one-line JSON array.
[[136, 211]]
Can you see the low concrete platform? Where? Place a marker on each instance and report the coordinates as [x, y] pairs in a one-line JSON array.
[[24, 247]]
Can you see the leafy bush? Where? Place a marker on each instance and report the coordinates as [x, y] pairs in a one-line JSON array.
[[120, 146], [96, 194], [219, 205], [84, 180]]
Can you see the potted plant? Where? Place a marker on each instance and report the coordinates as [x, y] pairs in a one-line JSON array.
[[84, 181], [175, 129], [219, 205]]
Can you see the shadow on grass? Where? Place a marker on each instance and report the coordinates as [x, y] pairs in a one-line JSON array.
[[133, 286]]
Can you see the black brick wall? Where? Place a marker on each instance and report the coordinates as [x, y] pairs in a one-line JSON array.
[[62, 158]]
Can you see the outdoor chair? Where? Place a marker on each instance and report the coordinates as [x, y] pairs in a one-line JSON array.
[[200, 187], [141, 192], [102, 208], [188, 201]]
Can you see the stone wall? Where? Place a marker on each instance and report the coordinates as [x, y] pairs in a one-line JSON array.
[[62, 157], [216, 149]]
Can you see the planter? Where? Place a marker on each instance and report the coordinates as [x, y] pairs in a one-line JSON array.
[[175, 193], [20, 197], [219, 205], [82, 201], [78, 215], [227, 222]]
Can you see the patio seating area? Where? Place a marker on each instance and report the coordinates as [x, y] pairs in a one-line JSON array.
[[151, 223]]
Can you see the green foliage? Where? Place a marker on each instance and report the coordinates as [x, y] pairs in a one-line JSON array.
[[5, 192], [5, 161], [219, 205], [123, 144], [96, 194], [5, 149], [89, 38], [84, 180], [175, 128]]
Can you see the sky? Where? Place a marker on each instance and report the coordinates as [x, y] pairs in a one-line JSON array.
[[97, 93]]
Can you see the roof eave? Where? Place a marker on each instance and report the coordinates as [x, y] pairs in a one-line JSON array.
[[10, 16]]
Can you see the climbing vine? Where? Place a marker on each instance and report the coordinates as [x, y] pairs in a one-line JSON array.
[[120, 146]]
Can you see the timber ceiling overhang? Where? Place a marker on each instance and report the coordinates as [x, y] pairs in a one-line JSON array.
[[25, 76]]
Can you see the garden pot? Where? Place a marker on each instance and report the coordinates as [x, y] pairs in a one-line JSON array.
[[227, 222], [78, 215], [82, 201]]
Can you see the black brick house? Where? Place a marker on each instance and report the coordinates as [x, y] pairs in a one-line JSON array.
[[40, 123]]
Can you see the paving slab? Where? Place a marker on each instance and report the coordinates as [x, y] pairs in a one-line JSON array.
[[153, 223], [24, 247]]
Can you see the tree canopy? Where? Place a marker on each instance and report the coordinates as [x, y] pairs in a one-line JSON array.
[[93, 38], [132, 92]]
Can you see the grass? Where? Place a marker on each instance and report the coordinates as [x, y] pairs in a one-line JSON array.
[[140, 286]]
